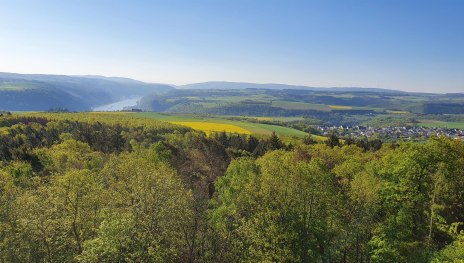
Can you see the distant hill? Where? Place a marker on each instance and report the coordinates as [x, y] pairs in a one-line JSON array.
[[245, 85], [77, 93], [36, 92], [277, 100]]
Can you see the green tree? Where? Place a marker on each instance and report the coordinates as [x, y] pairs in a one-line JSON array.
[[152, 203], [419, 186], [279, 209], [332, 140], [454, 252]]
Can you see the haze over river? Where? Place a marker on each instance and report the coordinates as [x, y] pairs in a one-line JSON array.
[[120, 105]]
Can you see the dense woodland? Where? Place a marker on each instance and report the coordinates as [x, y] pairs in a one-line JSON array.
[[79, 189]]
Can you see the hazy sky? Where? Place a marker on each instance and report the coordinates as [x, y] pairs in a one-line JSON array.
[[402, 44]]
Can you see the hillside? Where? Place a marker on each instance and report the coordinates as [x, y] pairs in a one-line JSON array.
[[338, 106], [95, 187], [274, 86], [77, 93], [330, 107]]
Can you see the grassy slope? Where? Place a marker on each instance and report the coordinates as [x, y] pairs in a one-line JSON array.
[[209, 127], [300, 105], [255, 128], [171, 121], [16, 86], [433, 123], [125, 119]]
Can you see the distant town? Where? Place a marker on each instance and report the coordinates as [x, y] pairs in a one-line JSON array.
[[392, 133]]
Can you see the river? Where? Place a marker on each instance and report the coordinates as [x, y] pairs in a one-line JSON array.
[[120, 105]]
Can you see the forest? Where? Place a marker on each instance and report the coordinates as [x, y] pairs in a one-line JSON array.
[[78, 187]]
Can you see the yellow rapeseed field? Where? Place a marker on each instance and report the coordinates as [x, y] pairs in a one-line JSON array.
[[397, 112], [263, 118], [338, 107], [209, 127]]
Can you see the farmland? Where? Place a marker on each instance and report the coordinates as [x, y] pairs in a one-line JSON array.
[[111, 118], [300, 105], [205, 123], [443, 124], [210, 127], [331, 107], [210, 123], [338, 107], [15, 87]]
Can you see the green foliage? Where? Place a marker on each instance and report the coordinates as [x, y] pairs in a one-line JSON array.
[[415, 196], [276, 209], [92, 191], [151, 202], [333, 140], [21, 173], [70, 154], [159, 153], [114, 241], [452, 253]]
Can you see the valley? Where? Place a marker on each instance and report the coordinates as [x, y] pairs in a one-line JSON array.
[[236, 131], [119, 105]]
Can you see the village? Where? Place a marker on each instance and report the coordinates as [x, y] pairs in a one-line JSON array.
[[392, 133]]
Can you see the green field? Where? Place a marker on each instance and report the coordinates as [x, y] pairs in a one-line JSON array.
[[206, 123], [254, 128], [15, 87], [300, 105], [443, 124], [121, 118], [281, 119]]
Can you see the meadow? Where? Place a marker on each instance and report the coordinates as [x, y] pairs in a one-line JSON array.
[[292, 105], [169, 121], [208, 123], [210, 127], [331, 107], [442, 124], [111, 118], [9, 86]]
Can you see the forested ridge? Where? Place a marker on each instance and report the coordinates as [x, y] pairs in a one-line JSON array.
[[102, 188], [77, 93]]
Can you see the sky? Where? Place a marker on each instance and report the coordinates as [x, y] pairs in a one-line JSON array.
[[406, 45]]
